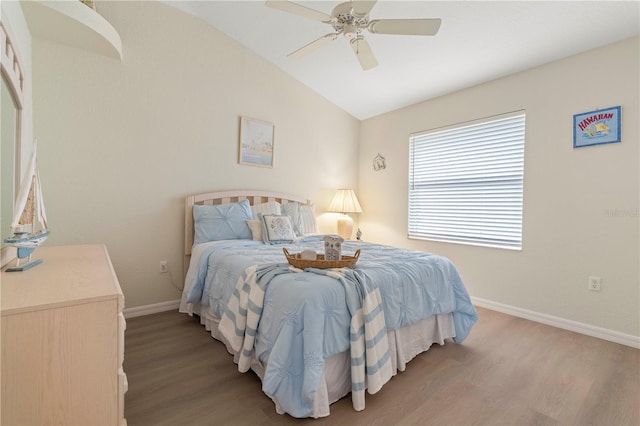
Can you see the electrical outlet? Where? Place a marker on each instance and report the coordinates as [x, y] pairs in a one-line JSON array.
[[164, 266], [595, 283]]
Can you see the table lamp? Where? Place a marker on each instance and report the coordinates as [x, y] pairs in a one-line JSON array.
[[345, 202]]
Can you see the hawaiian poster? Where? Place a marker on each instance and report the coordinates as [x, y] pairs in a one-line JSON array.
[[596, 127]]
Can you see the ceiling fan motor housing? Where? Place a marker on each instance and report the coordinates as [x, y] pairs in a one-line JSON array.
[[345, 21]]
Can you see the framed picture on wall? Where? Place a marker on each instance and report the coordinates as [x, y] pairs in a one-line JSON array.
[[597, 127], [256, 142]]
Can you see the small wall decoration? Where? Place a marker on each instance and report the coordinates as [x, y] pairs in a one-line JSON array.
[[597, 127], [256, 142], [379, 163]]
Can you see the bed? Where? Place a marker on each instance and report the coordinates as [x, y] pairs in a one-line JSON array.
[[314, 335]]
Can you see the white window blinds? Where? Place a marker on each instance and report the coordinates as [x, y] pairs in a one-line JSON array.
[[466, 183]]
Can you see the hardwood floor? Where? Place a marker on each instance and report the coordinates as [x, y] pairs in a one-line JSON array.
[[509, 371]]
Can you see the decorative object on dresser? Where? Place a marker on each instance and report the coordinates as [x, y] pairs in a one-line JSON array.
[[345, 202], [256, 142], [29, 224], [63, 341]]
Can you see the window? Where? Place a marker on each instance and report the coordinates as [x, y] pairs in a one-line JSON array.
[[465, 182]]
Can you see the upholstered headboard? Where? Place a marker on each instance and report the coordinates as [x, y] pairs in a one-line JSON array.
[[223, 197]]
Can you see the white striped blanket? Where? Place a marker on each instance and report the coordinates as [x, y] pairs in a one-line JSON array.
[[370, 357], [239, 323]]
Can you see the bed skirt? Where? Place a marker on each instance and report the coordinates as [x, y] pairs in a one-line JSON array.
[[404, 344]]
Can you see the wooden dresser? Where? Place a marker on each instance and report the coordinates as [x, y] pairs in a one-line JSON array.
[[63, 340]]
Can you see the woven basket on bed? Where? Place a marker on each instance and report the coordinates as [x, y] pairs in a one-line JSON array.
[[319, 262]]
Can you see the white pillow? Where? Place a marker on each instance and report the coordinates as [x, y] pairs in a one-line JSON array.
[[271, 207], [276, 229], [256, 229], [293, 211], [308, 218]]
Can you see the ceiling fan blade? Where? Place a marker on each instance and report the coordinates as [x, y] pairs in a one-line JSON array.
[[315, 44], [425, 27], [362, 7], [364, 53], [296, 9]]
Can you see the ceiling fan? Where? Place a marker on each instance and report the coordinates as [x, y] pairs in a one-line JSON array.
[[351, 19]]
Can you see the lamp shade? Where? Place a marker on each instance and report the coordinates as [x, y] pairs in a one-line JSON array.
[[345, 201]]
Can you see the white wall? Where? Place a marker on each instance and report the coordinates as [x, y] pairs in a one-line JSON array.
[[122, 143], [581, 209]]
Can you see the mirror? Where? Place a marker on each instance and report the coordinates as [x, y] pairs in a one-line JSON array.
[[7, 159], [10, 140]]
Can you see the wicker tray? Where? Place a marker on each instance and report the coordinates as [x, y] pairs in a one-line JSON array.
[[319, 262]]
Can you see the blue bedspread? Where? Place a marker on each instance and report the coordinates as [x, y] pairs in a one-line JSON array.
[[304, 317]]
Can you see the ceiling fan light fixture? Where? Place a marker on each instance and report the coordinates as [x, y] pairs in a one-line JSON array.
[[350, 32]]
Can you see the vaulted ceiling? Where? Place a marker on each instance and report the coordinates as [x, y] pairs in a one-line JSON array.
[[478, 41]]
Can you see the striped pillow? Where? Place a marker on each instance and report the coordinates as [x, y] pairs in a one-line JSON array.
[[308, 218]]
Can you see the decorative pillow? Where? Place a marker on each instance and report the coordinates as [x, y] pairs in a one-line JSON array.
[[308, 217], [256, 229], [271, 207], [276, 229], [293, 211], [221, 222]]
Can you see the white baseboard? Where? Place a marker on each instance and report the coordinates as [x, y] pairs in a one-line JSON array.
[[155, 308], [578, 327]]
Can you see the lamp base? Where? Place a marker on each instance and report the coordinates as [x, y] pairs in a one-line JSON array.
[[345, 227]]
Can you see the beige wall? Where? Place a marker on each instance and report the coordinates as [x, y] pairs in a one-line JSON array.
[[122, 143], [581, 214]]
